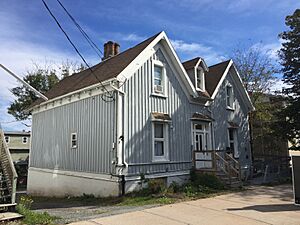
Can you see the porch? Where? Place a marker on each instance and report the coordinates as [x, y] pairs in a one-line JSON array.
[[220, 163]]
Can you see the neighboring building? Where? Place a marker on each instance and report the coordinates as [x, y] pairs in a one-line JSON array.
[[145, 119], [18, 143]]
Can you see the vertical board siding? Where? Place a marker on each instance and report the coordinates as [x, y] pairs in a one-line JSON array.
[[138, 130], [93, 119], [239, 116]]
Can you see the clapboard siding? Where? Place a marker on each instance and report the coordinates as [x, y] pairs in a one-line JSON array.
[[93, 119]]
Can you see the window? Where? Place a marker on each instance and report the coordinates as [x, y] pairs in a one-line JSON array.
[[160, 142], [74, 140], [7, 139], [158, 77], [229, 97], [232, 136], [24, 140], [200, 79]]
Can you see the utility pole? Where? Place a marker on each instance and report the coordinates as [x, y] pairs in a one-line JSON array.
[[25, 83]]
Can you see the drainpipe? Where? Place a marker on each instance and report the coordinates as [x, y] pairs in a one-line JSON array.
[[120, 162]]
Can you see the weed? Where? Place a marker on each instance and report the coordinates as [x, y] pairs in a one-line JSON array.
[[30, 217]]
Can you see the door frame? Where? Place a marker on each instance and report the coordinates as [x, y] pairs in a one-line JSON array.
[[207, 140]]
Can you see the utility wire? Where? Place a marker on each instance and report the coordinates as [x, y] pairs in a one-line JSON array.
[[85, 35], [77, 51]]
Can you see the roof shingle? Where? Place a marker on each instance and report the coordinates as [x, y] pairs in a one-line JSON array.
[[105, 70]]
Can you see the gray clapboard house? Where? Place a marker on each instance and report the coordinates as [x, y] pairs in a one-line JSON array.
[[151, 116]]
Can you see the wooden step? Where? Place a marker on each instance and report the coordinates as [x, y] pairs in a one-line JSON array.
[[8, 207], [6, 216]]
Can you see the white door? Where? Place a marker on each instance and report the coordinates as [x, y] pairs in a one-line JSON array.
[[199, 141]]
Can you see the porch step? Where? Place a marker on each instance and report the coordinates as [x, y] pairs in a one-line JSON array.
[[7, 216], [8, 207]]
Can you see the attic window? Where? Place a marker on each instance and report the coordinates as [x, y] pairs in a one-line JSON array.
[[229, 96], [158, 77], [200, 79]]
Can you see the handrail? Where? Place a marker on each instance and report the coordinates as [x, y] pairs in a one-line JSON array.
[[233, 159], [218, 157], [8, 167]]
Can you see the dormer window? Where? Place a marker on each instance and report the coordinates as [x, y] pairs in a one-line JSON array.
[[200, 79], [158, 78]]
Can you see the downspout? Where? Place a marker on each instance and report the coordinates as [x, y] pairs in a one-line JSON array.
[[120, 160]]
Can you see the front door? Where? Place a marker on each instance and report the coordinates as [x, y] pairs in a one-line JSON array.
[[201, 136]]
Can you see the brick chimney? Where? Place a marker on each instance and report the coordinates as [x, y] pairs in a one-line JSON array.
[[111, 49]]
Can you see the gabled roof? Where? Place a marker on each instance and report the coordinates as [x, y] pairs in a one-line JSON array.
[[214, 75], [192, 63], [105, 70]]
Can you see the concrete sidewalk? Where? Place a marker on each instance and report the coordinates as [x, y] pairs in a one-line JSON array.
[[259, 205]]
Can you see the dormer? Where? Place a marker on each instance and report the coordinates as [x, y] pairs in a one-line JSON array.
[[196, 69]]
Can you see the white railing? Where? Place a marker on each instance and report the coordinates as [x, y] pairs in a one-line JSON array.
[[214, 161], [8, 167]]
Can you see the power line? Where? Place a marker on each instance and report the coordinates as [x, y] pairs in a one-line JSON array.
[[77, 51], [85, 35]]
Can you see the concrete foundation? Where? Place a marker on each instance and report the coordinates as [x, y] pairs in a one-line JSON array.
[[56, 183]]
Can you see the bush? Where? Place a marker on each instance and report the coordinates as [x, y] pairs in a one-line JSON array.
[[156, 186], [206, 180], [30, 217]]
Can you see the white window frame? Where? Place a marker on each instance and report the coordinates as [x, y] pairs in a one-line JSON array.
[[165, 140], [7, 139], [229, 98], [234, 142], [201, 77], [76, 140], [157, 63], [24, 138]]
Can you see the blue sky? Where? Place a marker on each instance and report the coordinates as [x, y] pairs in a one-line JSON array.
[[207, 28]]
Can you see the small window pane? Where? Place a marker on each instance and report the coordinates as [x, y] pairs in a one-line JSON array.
[[159, 131], [198, 126], [230, 134], [159, 148], [157, 72], [157, 82]]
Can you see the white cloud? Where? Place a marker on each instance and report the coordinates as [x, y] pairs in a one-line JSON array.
[[133, 37], [278, 85], [271, 49], [195, 49]]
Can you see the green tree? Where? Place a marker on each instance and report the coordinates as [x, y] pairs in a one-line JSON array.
[[290, 60], [42, 78]]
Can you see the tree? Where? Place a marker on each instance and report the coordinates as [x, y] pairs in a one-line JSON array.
[[256, 69], [290, 60], [42, 79]]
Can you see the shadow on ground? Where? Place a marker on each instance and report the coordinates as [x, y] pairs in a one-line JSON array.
[[269, 208]]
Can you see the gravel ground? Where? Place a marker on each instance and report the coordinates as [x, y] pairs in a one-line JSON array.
[[78, 213]]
